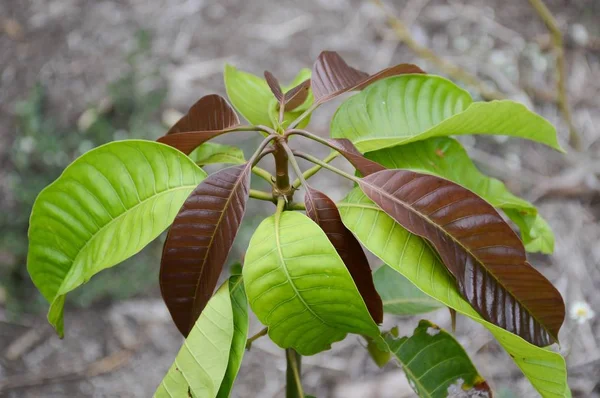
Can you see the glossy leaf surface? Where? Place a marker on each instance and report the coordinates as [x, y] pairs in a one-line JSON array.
[[299, 287], [210, 113], [199, 241], [411, 256], [436, 365], [210, 153], [478, 247], [323, 211], [408, 108], [105, 207], [239, 304], [360, 163], [445, 157], [332, 76], [399, 295], [202, 361], [252, 97]]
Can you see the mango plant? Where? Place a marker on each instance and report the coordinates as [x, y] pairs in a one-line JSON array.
[[419, 204]]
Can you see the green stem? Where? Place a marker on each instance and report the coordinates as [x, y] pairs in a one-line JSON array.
[[257, 336], [264, 174], [293, 380], [315, 169], [295, 165], [327, 166], [262, 195], [303, 115]]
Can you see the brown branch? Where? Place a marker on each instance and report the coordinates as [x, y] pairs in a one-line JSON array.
[[451, 70], [561, 86]]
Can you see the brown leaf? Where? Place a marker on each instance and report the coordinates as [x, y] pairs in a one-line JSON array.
[[331, 76], [274, 86], [187, 142], [296, 96], [199, 241], [322, 210], [347, 149], [209, 113], [478, 247]]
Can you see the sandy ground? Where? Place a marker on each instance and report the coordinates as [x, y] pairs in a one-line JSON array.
[[75, 47]]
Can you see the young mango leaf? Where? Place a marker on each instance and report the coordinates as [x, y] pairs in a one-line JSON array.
[[445, 157], [239, 303], [202, 362], [478, 247], [273, 84], [299, 287], [252, 97], [296, 95], [322, 210], [347, 149], [199, 241], [436, 365], [104, 208], [380, 234], [331, 76], [399, 295], [536, 234], [210, 152], [208, 118], [408, 108]]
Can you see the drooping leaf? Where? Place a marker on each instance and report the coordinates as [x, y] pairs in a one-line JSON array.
[[239, 304], [273, 84], [210, 113], [105, 207], [202, 362], [208, 118], [323, 211], [297, 95], [445, 157], [536, 234], [407, 108], [331, 76], [399, 295], [381, 235], [200, 240], [478, 247], [436, 365], [252, 97], [299, 287], [210, 152]]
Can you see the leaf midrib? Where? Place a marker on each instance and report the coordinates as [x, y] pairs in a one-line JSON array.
[[107, 225], [435, 225]]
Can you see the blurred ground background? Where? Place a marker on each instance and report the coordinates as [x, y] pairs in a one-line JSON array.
[[78, 73]]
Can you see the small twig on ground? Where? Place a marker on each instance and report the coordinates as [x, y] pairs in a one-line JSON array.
[[557, 41], [453, 71]]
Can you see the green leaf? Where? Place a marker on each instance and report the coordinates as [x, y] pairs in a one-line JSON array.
[[445, 157], [239, 304], [379, 355], [407, 108], [105, 207], [202, 361], [210, 152], [536, 233], [435, 364], [252, 97], [299, 287], [411, 256], [399, 295]]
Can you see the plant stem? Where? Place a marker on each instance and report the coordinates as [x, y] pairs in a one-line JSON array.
[[295, 166], [303, 115], [315, 169], [293, 381], [327, 166], [257, 336], [264, 174], [262, 195], [282, 176]]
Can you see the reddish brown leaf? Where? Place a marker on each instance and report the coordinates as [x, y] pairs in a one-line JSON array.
[[347, 149], [209, 113], [322, 210], [331, 76], [296, 96], [187, 142], [274, 86], [199, 241], [478, 247]]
